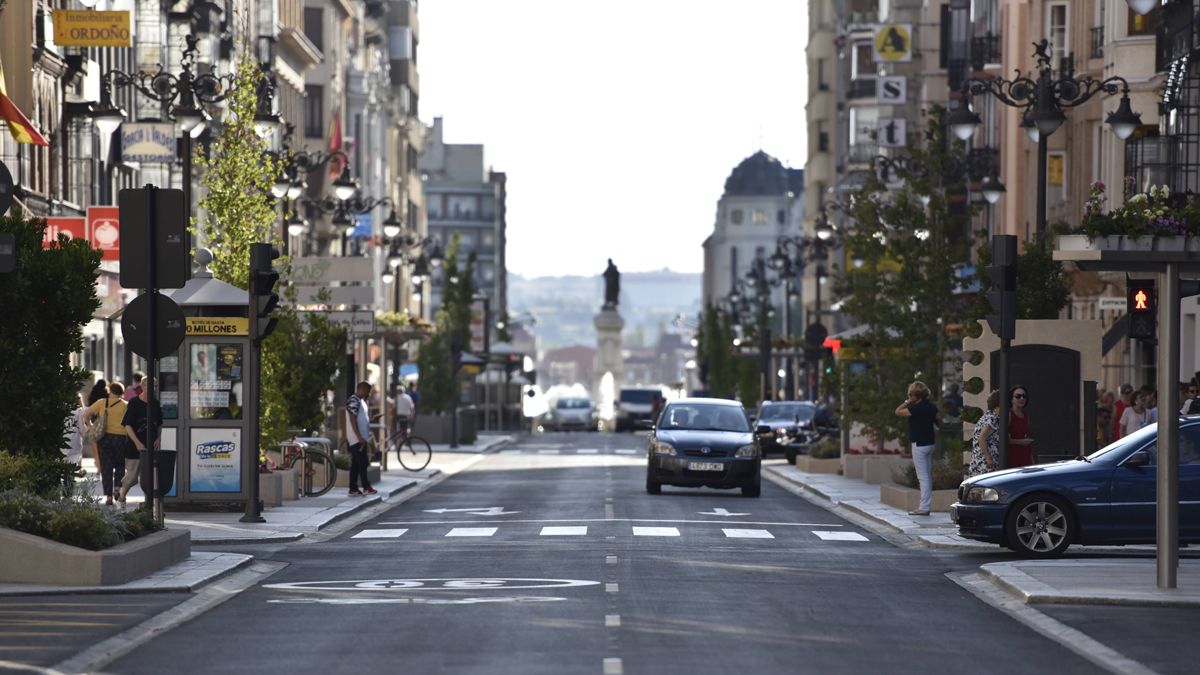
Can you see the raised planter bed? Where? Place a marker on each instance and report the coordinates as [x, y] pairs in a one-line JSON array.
[[908, 499], [270, 489], [879, 469], [26, 559], [810, 465], [1081, 242], [852, 465]]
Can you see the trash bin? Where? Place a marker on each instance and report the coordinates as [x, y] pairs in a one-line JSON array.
[[164, 464], [467, 425]]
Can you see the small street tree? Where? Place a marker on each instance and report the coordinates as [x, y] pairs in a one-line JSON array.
[[439, 383], [302, 356], [47, 299]]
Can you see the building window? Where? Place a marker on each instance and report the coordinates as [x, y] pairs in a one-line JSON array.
[[1056, 176], [314, 26], [1056, 32], [759, 217], [736, 216], [489, 240], [781, 217], [314, 118], [822, 137], [862, 125], [1143, 25], [862, 61], [822, 78], [733, 267]]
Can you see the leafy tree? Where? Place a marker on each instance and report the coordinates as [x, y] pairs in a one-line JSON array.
[[439, 384], [299, 360], [905, 292], [47, 299], [1043, 284]]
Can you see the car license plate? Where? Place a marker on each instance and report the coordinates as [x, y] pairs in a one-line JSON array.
[[954, 514], [705, 466]]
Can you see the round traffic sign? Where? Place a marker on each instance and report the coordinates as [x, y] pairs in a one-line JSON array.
[[135, 326], [7, 189], [815, 334]]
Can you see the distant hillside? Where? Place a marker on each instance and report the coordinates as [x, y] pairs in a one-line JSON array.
[[565, 306]]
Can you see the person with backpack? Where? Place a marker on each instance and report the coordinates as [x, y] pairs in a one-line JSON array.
[[108, 432]]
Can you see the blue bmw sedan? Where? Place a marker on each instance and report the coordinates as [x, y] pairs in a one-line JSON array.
[[703, 442], [1105, 498]]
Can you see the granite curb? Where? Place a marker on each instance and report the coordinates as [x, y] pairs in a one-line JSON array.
[[200, 569], [1100, 582]]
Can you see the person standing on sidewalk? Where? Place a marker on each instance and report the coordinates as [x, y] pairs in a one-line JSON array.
[[109, 412], [985, 441], [358, 431], [405, 410], [134, 424], [922, 418], [1020, 445], [135, 389]]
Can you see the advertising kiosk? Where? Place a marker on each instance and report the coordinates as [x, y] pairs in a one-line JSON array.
[[203, 393]]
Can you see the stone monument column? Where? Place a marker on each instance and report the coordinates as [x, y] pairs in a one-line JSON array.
[[609, 368]]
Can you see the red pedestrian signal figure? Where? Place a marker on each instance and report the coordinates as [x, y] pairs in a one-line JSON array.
[[1140, 303], [1139, 300]]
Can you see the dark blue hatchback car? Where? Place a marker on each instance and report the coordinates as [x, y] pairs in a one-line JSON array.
[[1106, 498], [703, 442]]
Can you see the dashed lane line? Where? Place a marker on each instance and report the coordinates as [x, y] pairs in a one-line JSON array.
[[568, 531], [471, 532], [655, 531], [612, 620], [604, 520], [380, 534], [612, 666], [840, 536], [737, 533]]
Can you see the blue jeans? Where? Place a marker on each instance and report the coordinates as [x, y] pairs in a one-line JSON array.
[[923, 461], [358, 466]]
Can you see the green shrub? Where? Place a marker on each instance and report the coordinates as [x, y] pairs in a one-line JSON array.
[[136, 524], [826, 448], [38, 475], [27, 513], [946, 476], [82, 526]]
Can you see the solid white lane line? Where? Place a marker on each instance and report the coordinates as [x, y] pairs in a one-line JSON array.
[[738, 533], [471, 532], [840, 536], [588, 451], [655, 531], [612, 666], [379, 534], [611, 588], [612, 620], [570, 531]]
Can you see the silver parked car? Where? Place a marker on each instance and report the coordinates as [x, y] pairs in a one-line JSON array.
[[572, 414]]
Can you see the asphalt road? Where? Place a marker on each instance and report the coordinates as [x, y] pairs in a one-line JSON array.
[[563, 564]]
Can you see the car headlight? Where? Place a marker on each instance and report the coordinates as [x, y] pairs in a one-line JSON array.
[[747, 451], [661, 448], [983, 495]]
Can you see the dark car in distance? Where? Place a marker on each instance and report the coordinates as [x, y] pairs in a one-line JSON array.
[[790, 426], [703, 442], [1106, 498]]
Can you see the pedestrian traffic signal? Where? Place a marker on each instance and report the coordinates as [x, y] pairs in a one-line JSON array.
[[1003, 294], [1142, 303], [263, 298]]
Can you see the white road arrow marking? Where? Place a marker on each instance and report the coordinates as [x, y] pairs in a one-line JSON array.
[[720, 512], [477, 511]]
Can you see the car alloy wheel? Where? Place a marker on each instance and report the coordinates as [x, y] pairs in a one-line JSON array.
[[1040, 526]]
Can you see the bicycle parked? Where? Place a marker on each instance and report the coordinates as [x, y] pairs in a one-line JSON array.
[[413, 452], [318, 472]]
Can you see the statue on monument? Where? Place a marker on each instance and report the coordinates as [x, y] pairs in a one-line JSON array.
[[612, 285]]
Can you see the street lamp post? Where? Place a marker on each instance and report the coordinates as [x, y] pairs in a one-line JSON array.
[[792, 257], [1043, 100]]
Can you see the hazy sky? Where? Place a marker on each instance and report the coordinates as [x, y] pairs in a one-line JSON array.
[[616, 122]]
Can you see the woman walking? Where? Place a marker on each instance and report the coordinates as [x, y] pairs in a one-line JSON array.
[[99, 392], [1020, 445], [985, 442], [109, 412], [922, 417]]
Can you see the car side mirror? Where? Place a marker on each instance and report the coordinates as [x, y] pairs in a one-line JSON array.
[[1137, 460]]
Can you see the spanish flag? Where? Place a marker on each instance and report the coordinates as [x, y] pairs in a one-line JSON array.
[[18, 125]]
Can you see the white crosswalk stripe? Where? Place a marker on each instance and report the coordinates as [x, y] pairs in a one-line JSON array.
[[547, 452], [471, 532], [380, 534], [839, 536], [564, 531], [738, 533], [626, 451], [655, 531], [587, 451], [511, 452]]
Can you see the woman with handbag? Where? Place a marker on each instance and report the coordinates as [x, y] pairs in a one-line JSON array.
[[109, 434]]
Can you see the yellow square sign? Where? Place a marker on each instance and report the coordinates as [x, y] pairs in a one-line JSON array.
[[86, 28], [893, 43]]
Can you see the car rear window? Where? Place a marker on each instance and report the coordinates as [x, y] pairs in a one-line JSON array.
[[637, 395], [573, 403]]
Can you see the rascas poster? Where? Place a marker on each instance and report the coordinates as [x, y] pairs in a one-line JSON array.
[[216, 460]]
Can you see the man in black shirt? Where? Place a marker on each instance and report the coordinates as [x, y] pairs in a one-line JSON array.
[[922, 418], [135, 428]]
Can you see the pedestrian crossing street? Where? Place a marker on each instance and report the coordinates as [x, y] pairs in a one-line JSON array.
[[523, 531], [536, 450]]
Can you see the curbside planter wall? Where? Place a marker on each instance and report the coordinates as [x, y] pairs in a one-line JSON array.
[[852, 465], [343, 477], [27, 559], [878, 469], [810, 465], [909, 499]]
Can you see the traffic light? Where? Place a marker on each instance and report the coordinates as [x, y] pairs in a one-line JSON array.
[[1003, 294], [263, 298], [1142, 303]]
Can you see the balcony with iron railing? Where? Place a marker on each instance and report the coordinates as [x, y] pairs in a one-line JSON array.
[[1177, 36], [863, 152], [1098, 42], [861, 87]]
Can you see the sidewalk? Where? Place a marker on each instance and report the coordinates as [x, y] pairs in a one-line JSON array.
[[290, 522], [1121, 581]]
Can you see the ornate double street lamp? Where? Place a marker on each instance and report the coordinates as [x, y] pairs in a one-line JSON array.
[[182, 98], [1043, 99], [290, 185]]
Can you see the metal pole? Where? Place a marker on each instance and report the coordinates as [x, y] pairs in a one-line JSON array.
[[147, 478], [816, 367], [186, 148], [789, 392], [1041, 186], [1167, 521], [1005, 402]]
